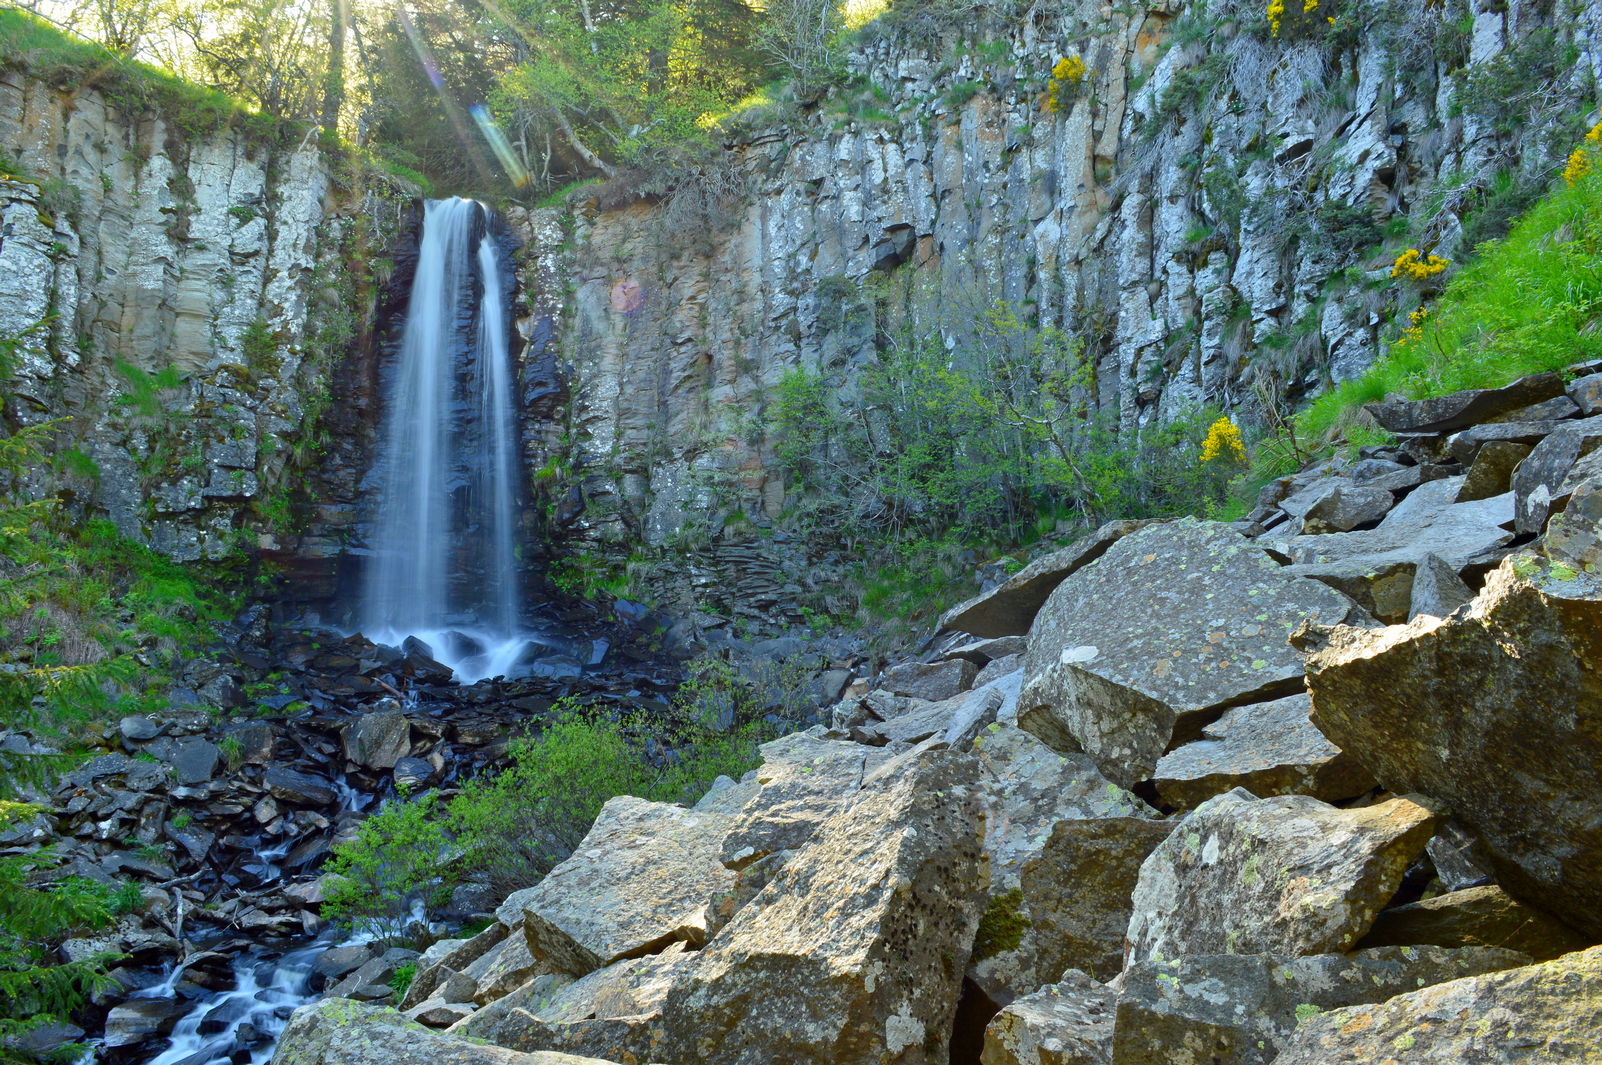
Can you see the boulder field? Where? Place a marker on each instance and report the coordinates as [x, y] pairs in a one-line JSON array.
[[1320, 786]]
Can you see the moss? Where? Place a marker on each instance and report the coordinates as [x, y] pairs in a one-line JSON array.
[[1001, 926]]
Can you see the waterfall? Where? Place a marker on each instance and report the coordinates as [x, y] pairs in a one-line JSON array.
[[444, 564]]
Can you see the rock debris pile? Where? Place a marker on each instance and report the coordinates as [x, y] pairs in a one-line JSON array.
[[1321, 786]]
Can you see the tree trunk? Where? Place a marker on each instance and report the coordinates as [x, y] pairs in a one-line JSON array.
[[334, 76]]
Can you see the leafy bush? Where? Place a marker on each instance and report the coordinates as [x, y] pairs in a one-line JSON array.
[[396, 862]]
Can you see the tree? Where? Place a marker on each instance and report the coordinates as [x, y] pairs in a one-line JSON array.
[[803, 37]]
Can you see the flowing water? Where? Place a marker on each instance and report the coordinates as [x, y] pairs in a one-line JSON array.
[[444, 566]]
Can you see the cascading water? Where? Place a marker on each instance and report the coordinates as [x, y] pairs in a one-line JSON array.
[[444, 566]]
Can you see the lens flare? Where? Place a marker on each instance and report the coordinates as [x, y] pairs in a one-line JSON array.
[[499, 145]]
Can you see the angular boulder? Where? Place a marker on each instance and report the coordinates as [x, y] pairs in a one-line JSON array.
[[1497, 712], [1267, 748], [1572, 537], [1066, 1023], [1492, 471], [934, 681], [1282, 875], [1538, 479], [378, 739], [1546, 1014], [641, 879], [1428, 520], [1483, 916], [1146, 644], [1442, 414], [1010, 609], [1242, 1009], [341, 1032]]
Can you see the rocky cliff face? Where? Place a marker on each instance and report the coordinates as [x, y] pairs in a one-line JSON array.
[[186, 293], [1204, 209]]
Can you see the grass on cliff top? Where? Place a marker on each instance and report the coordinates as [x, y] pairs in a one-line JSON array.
[[1529, 303]]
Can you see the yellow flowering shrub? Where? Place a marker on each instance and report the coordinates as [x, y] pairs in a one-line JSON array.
[[1414, 265], [1583, 160], [1223, 438], [1275, 13], [1415, 327], [1068, 72]]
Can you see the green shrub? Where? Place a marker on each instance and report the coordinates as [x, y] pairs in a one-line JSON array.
[[401, 982], [396, 860]]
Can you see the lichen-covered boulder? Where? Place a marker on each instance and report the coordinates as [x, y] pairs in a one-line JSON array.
[[1282, 875], [342, 1032], [1482, 916], [1173, 622], [1241, 1009], [1546, 1014], [643, 877], [1268, 748], [1066, 1023], [1497, 712]]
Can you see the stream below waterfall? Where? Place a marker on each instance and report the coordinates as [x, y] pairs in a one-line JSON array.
[[443, 658]]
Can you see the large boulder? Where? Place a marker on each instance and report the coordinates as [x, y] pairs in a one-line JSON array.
[[379, 739], [1442, 414], [643, 878], [1267, 748], [1010, 608], [1480, 916], [1066, 1023], [1546, 1014], [1242, 1009], [1282, 875], [1496, 711], [341, 1032], [1147, 644], [1428, 520]]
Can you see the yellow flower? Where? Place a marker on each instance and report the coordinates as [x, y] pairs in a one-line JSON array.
[[1275, 14], [1223, 438], [1578, 166], [1069, 70], [1416, 266], [1309, 6]]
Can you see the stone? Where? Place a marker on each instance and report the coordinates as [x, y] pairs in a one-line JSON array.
[[1538, 478], [336, 1032], [135, 1021], [502, 969], [1147, 644], [1544, 1014], [1437, 589], [138, 729], [253, 741], [984, 651], [301, 789], [1465, 446], [437, 1013], [934, 681], [194, 760], [1495, 711], [336, 963], [1066, 1023], [1383, 588], [1010, 609], [1345, 506], [957, 720], [1427, 521], [1492, 471], [802, 780], [1572, 537], [1242, 1009], [1483, 916], [641, 879], [1442, 414], [1586, 392], [378, 739], [1267, 748], [1281, 875], [413, 773]]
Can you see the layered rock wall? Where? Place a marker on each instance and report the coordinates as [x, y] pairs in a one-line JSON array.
[[1205, 211]]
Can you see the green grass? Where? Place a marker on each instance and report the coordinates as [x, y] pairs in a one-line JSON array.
[[1523, 305]]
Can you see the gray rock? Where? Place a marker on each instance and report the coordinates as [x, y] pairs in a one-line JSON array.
[[1242, 1009], [1268, 749], [1546, 1014], [934, 681], [194, 760], [1346, 506], [1483, 916], [642, 878], [301, 789], [135, 1021], [139, 729], [1492, 471], [1494, 711], [447, 957], [437, 1013], [1586, 392], [1437, 589], [984, 651], [336, 1032], [1465, 446], [1427, 521], [1539, 476], [1443, 414], [1572, 537], [413, 773], [255, 740], [336, 963], [803, 779], [1010, 609], [1144, 645], [500, 970], [1282, 875], [378, 739], [1066, 1023]]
